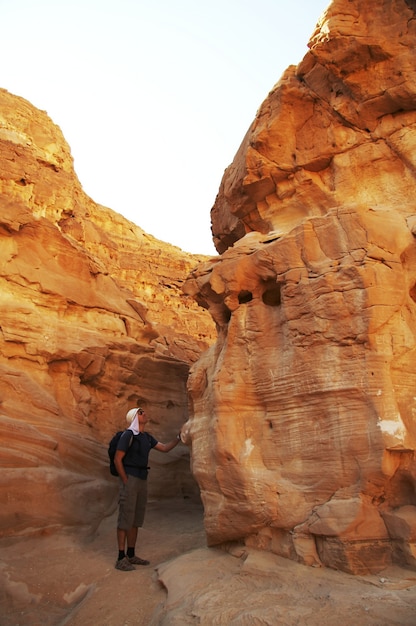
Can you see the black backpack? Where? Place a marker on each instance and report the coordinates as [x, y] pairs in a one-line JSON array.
[[112, 447]]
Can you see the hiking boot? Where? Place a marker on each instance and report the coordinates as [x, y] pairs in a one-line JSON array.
[[124, 565], [136, 560]]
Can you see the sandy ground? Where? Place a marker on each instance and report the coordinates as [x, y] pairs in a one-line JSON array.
[[67, 580], [57, 580]]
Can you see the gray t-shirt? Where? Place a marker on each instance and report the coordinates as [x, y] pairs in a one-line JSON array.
[[137, 448]]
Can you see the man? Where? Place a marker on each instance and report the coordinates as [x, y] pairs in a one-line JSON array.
[[131, 461]]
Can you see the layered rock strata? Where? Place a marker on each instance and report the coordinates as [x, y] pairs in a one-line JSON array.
[[93, 321], [303, 426]]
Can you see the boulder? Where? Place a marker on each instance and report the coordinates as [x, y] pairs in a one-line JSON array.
[[302, 425]]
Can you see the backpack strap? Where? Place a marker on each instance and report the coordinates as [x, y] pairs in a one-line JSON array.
[[132, 435]]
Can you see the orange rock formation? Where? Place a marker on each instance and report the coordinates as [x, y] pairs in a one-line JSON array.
[[302, 412], [303, 426], [93, 320]]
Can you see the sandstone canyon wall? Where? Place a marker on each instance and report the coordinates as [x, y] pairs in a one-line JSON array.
[[302, 426], [93, 321]]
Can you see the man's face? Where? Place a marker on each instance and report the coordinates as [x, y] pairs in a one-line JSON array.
[[142, 417]]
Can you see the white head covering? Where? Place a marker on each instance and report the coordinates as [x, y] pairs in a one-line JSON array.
[[133, 420]]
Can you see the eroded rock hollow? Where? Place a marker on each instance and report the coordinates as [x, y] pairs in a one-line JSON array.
[[303, 426]]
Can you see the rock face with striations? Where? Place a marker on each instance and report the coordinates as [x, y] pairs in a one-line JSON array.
[[93, 321], [303, 427]]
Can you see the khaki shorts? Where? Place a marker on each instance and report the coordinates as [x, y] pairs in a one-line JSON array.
[[132, 503]]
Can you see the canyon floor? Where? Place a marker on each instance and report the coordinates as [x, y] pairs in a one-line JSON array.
[[69, 580]]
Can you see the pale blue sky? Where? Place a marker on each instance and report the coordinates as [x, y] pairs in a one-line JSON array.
[[153, 96]]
